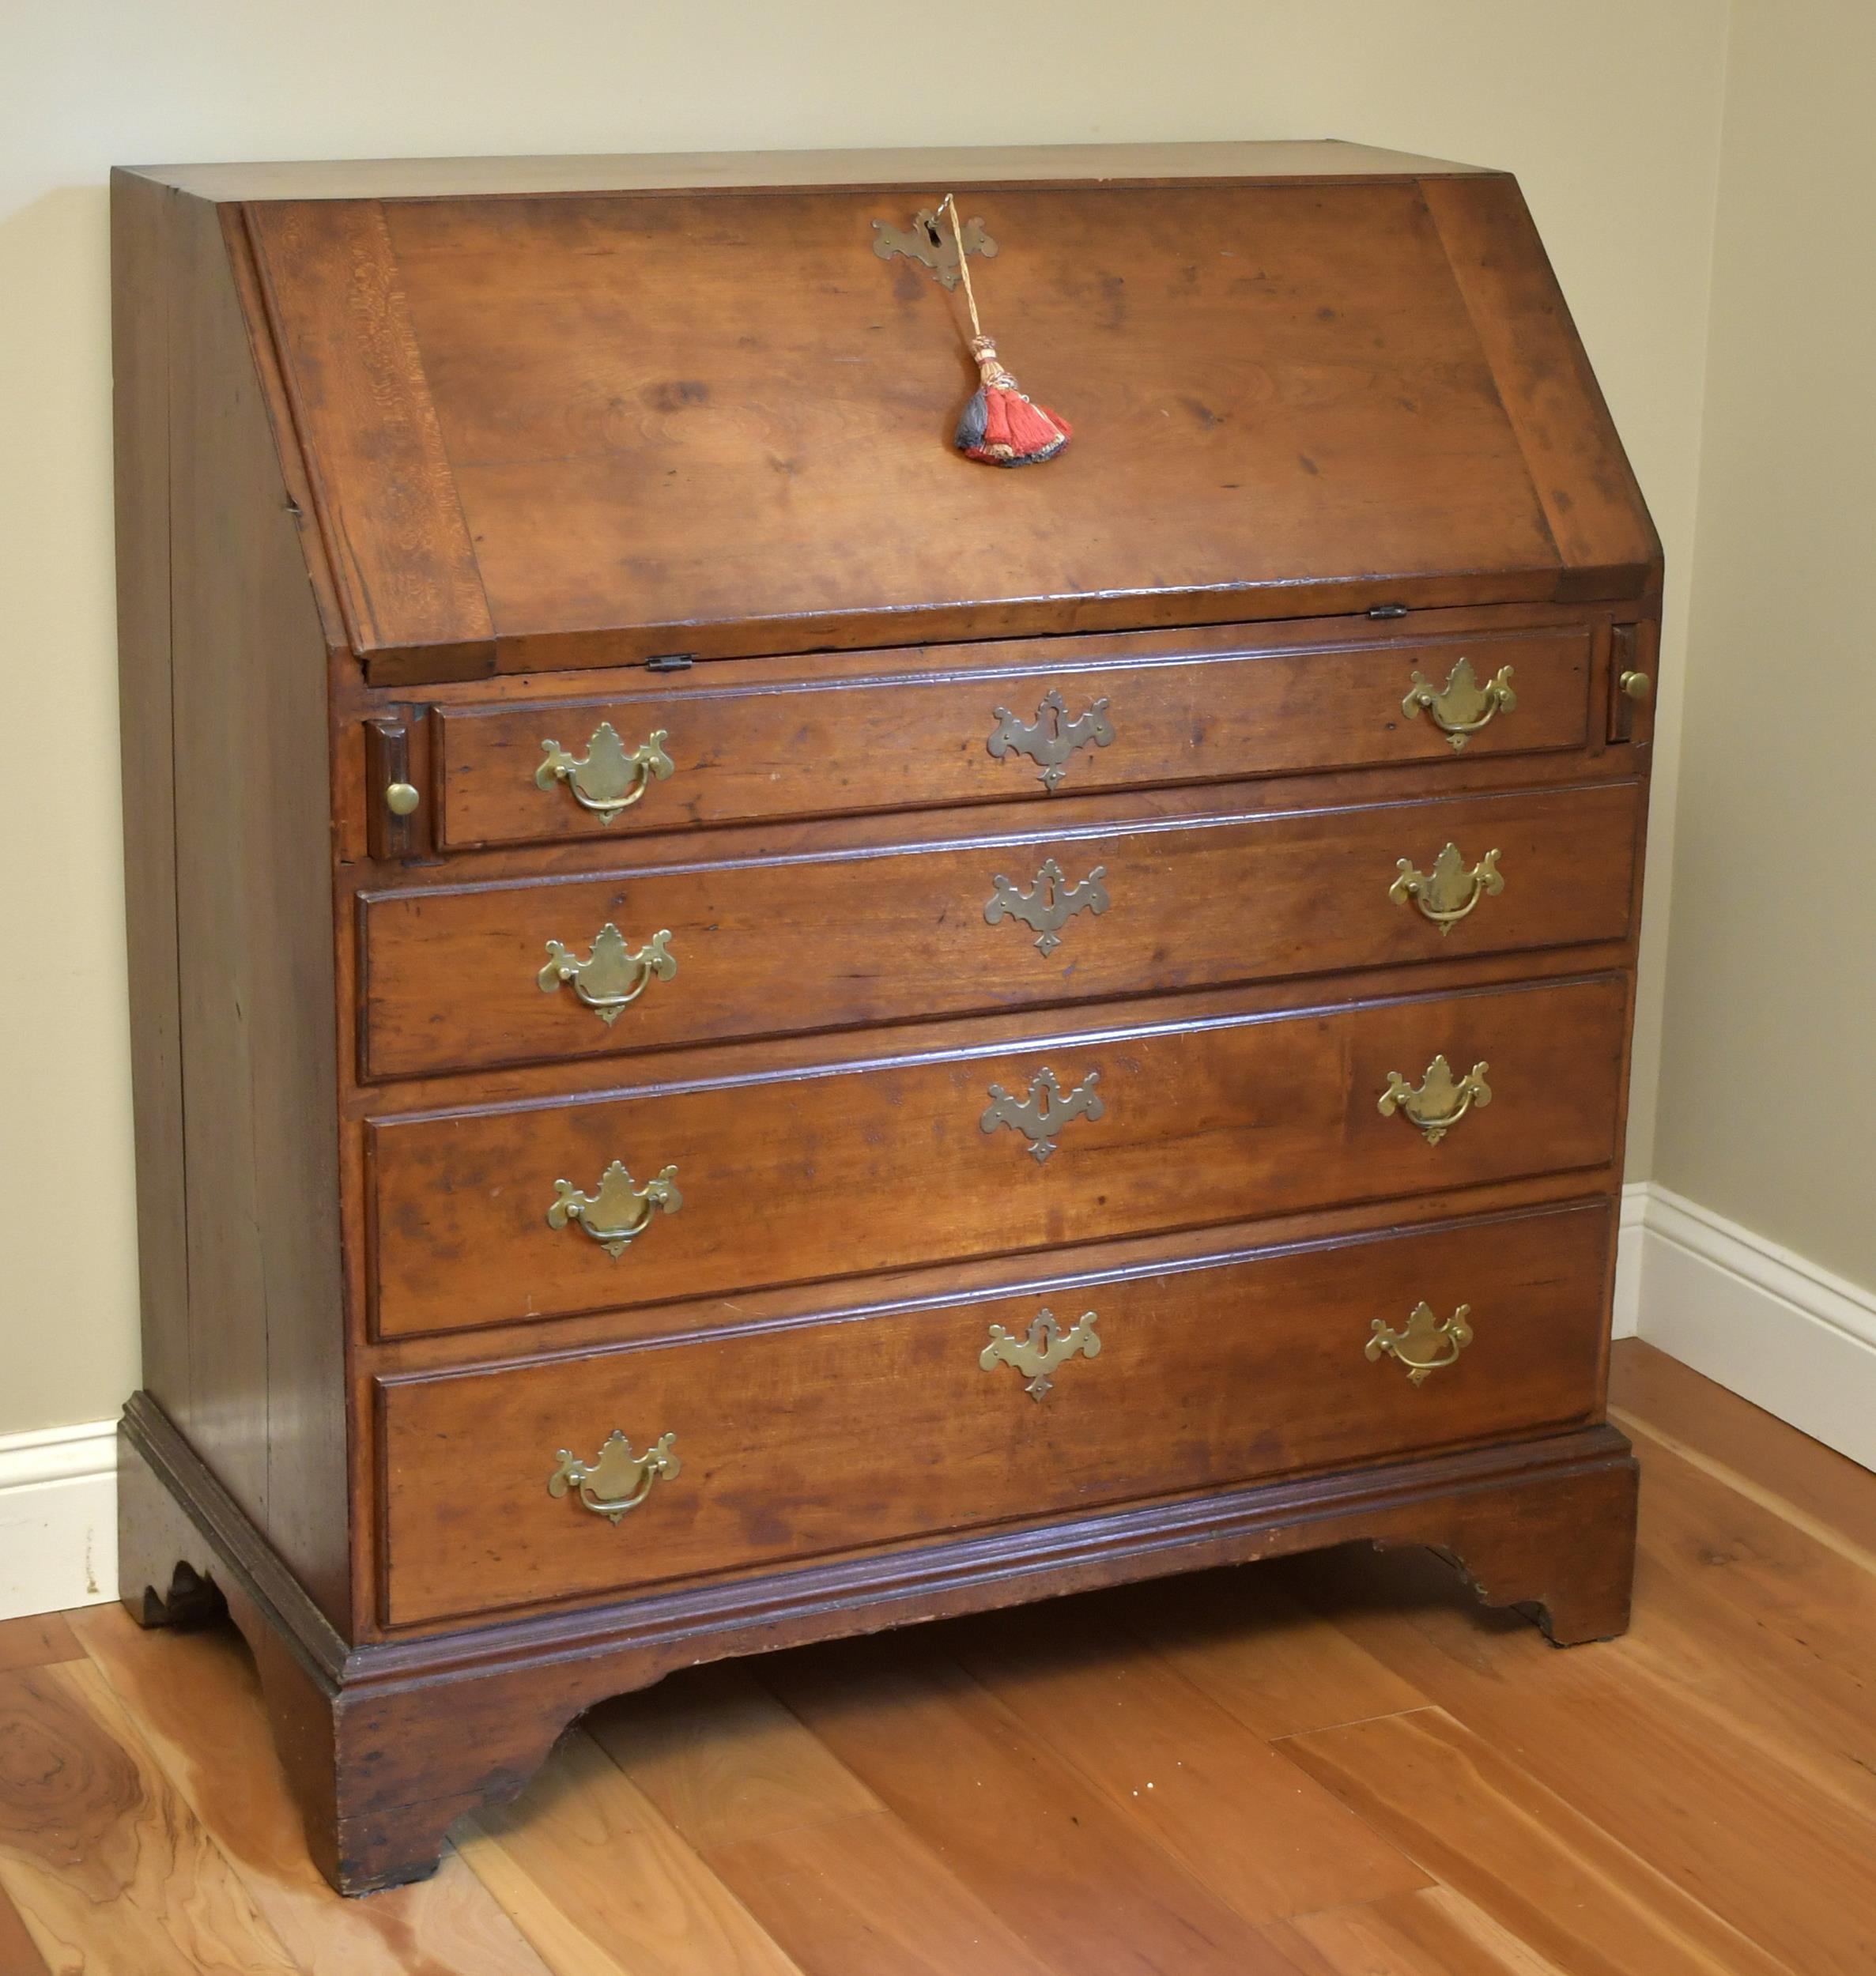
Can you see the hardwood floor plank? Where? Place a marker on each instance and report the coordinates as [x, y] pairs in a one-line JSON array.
[[1551, 1877], [1758, 1625], [19, 1952], [109, 1868], [830, 1873], [722, 1760], [1074, 1878], [193, 1696], [1671, 1399], [37, 1641], [860, 1896], [1678, 1781], [1208, 1791], [1431, 1933], [1260, 1653], [1818, 1529], [602, 1886]]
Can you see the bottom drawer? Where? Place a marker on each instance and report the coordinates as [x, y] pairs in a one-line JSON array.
[[847, 1432]]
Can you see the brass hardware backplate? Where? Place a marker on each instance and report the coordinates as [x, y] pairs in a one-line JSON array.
[[934, 247], [1044, 1112], [1441, 1100], [613, 777], [1049, 903], [1425, 1344], [1462, 706], [1047, 1347], [620, 1211], [620, 1480], [611, 977], [1051, 737], [1449, 892]]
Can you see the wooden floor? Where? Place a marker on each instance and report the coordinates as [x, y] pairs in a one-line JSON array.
[[1336, 1767]]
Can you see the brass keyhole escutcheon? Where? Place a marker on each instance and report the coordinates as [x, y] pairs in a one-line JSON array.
[[1440, 1100], [620, 1480], [1449, 892], [1050, 740], [1049, 904], [612, 977], [1047, 1347], [1462, 706], [612, 777], [1040, 1116], [933, 246], [1425, 1344]]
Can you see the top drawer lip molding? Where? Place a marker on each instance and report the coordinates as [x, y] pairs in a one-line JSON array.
[[743, 751]]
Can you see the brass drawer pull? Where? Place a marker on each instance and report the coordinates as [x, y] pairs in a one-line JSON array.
[[1449, 892], [1044, 1112], [1047, 1347], [620, 1212], [620, 1480], [1425, 1344], [611, 977], [1051, 737], [611, 778], [1440, 1102], [1050, 902], [1462, 706]]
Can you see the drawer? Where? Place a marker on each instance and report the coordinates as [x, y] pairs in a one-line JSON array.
[[480, 1217], [979, 727], [831, 1436], [455, 979]]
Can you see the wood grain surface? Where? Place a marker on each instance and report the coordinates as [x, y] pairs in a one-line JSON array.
[[774, 739], [1364, 1775], [807, 1440], [837, 1172], [518, 463], [765, 946]]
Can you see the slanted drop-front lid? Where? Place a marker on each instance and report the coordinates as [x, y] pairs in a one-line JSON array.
[[571, 429]]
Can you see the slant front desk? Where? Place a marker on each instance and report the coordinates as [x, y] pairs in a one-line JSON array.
[[747, 1029]]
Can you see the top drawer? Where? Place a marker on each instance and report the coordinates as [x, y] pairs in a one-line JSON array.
[[1122, 714]]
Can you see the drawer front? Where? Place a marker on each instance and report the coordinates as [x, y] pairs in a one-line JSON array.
[[839, 1172], [454, 979], [831, 1436], [772, 748]]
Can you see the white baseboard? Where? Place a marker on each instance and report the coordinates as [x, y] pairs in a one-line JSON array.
[[1760, 1319], [1625, 1319], [1787, 1336], [58, 1518]]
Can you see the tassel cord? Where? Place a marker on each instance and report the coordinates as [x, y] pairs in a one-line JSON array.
[[964, 266]]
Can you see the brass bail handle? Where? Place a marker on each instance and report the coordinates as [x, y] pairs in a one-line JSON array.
[[612, 977], [1447, 893], [619, 1481], [1439, 1101], [1462, 706], [619, 1211], [612, 777], [1425, 1345]]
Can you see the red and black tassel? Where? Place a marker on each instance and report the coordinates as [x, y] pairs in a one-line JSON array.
[[1003, 426]]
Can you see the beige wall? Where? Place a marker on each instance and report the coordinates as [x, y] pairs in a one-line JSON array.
[[1768, 1112], [1608, 111]]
